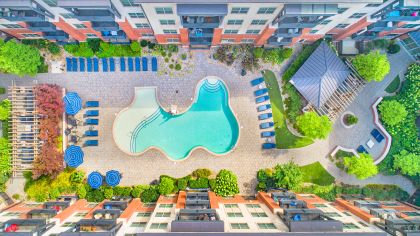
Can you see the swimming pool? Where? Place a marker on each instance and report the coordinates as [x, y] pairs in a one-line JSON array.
[[209, 123]]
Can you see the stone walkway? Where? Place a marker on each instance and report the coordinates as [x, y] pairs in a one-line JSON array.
[[116, 91]]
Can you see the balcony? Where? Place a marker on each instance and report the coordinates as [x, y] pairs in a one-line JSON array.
[[409, 15], [310, 220], [41, 213], [291, 32], [94, 15], [56, 35], [200, 41], [197, 221], [116, 205], [201, 21], [41, 26], [300, 22], [22, 15], [91, 226], [114, 35], [105, 26], [105, 214], [279, 41], [25, 227], [199, 33]]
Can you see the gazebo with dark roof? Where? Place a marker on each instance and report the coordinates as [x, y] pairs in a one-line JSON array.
[[326, 82]]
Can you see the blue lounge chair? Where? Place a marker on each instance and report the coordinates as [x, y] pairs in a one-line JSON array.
[[263, 107], [362, 149], [262, 99], [154, 64], [89, 64], [266, 125], [92, 104], [257, 81], [260, 92], [377, 135], [92, 113], [122, 64], [82, 64], [265, 116], [268, 145], [68, 64], [74, 63], [105, 64], [111, 64], [91, 133], [95, 64], [92, 121], [137, 62], [144, 63], [130, 64], [90, 143], [267, 134]]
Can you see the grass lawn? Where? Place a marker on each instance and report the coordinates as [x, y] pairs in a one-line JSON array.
[[315, 173], [284, 138], [394, 85]]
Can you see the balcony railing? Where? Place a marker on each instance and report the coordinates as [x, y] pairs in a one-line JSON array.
[[56, 35], [299, 22], [199, 33], [41, 26], [22, 15], [105, 26], [279, 41], [291, 32], [94, 15], [200, 21]]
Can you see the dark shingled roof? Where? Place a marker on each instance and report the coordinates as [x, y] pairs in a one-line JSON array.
[[320, 76]]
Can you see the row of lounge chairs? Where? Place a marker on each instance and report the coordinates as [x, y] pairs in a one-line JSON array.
[[261, 96], [376, 135], [108, 64], [91, 121]]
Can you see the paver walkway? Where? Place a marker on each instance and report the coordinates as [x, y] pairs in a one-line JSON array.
[[116, 91]]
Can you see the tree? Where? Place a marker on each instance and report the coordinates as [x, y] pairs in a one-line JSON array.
[[4, 157], [372, 66], [392, 112], [314, 126], [288, 176], [5, 106], [166, 186], [149, 195], [362, 167], [19, 58], [258, 52], [135, 46], [407, 163], [108, 193], [81, 192], [226, 183]]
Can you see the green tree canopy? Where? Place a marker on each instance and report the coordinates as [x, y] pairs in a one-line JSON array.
[[372, 66], [19, 58], [362, 167], [226, 183], [407, 163], [5, 106], [4, 157], [165, 186], [392, 112], [314, 126], [288, 176]]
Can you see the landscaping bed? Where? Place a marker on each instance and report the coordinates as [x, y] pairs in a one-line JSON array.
[[394, 85], [315, 173]]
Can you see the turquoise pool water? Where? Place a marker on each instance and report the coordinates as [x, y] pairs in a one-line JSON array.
[[208, 123]]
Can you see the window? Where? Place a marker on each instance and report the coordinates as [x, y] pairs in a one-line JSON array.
[[172, 40], [247, 40], [239, 226], [92, 205], [147, 205], [32, 205], [253, 206], [167, 31], [410, 25], [31, 35], [325, 22], [235, 22], [69, 224], [12, 26], [147, 35], [136, 15], [266, 10], [166, 205], [164, 10], [129, 3], [231, 31], [411, 213], [12, 213], [239, 10], [80, 26], [258, 22], [138, 224], [142, 25], [390, 204], [341, 10], [342, 26], [231, 206], [80, 214], [350, 226], [373, 5], [163, 214], [89, 35], [167, 22], [266, 226], [228, 41], [363, 224], [144, 214], [357, 15], [332, 214], [159, 226], [319, 205], [313, 31], [234, 214], [306, 196], [258, 214], [67, 15], [347, 213], [253, 31], [51, 3]]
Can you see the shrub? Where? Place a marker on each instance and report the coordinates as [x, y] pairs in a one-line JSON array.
[[77, 177], [183, 56], [143, 43], [362, 167], [177, 67], [392, 112], [149, 195], [383, 192], [351, 119], [166, 186], [407, 163], [172, 48], [84, 50], [166, 59], [16, 196], [201, 173], [171, 66], [199, 183], [53, 48], [108, 193], [393, 48], [138, 190], [2, 90], [95, 195], [170, 55], [19, 59], [372, 66], [151, 45], [182, 184], [314, 126], [212, 184], [81, 192], [226, 184], [94, 44], [5, 107], [288, 176], [135, 46], [258, 52]]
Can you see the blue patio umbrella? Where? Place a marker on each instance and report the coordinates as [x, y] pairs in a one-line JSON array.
[[73, 156], [73, 103], [95, 180], [113, 178]]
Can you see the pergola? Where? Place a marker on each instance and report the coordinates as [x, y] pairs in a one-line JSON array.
[[326, 82]]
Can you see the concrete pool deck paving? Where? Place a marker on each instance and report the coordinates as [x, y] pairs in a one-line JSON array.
[[115, 92]]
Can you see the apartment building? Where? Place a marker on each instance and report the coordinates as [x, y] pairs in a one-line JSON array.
[[278, 213], [203, 24]]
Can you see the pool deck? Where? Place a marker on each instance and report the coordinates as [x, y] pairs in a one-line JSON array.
[[115, 92]]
